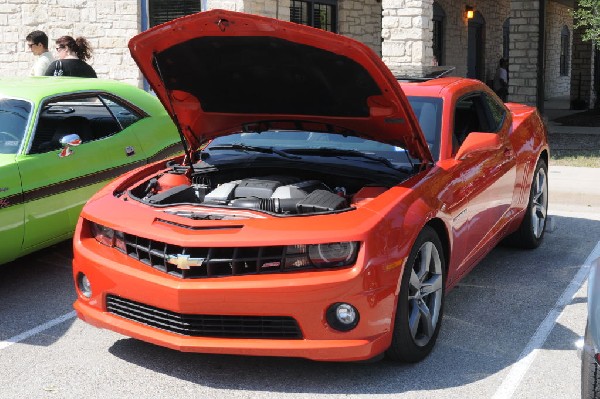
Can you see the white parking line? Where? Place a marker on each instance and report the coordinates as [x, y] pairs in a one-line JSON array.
[[36, 330], [510, 384]]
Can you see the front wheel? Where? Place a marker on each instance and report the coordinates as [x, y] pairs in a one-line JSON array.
[[531, 231], [420, 301]]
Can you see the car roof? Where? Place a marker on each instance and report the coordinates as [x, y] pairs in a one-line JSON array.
[[435, 87], [39, 87]]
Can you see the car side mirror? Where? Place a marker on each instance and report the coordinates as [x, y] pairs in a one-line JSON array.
[[68, 141], [478, 142]]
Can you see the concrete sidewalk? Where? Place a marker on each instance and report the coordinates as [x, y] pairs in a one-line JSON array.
[[574, 188]]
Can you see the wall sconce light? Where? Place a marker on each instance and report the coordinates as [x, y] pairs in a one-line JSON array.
[[469, 11]]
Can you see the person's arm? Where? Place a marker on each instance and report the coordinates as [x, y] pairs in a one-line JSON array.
[[504, 78]]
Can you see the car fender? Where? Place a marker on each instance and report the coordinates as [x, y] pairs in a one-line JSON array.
[[594, 304]]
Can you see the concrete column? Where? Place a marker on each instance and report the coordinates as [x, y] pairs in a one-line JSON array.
[[407, 35], [582, 71], [523, 50]]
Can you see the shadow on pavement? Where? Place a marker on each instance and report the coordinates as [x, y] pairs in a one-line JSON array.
[[490, 318], [35, 289]]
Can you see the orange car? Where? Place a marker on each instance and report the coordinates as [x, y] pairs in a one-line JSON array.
[[322, 209]]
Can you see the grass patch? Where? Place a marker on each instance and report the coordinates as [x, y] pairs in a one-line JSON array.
[[581, 160]]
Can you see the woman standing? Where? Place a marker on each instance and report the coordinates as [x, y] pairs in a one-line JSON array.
[[71, 57]]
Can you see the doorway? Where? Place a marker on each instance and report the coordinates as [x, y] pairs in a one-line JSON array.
[[475, 49]]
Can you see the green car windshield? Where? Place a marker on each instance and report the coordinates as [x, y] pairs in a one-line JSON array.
[[14, 115]]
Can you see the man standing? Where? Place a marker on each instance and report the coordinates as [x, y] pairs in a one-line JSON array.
[[37, 41]]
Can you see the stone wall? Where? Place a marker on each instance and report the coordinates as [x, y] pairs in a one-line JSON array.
[[524, 42], [582, 71], [494, 13], [557, 16], [455, 37], [361, 20], [405, 26], [107, 25], [407, 33]]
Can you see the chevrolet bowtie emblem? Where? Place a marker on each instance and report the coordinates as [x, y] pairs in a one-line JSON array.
[[184, 261]]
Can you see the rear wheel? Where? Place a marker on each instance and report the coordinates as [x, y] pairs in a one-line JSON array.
[[531, 231], [420, 301]]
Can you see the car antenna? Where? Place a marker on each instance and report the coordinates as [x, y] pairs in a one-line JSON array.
[[189, 155]]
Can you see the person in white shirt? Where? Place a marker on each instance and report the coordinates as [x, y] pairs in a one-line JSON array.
[[501, 80], [37, 41]]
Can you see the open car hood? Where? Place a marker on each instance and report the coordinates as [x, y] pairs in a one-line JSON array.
[[218, 72]]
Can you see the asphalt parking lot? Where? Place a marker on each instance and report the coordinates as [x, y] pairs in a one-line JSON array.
[[508, 332]]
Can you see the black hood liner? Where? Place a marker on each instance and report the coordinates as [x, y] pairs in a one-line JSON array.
[[266, 75]]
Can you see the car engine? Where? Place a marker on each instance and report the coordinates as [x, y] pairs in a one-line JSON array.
[[274, 193]]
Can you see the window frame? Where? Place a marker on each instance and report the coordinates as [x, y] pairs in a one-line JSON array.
[[481, 102], [565, 49], [310, 13], [146, 17], [439, 25], [80, 98]]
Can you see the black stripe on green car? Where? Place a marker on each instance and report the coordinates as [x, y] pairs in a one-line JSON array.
[[84, 181]]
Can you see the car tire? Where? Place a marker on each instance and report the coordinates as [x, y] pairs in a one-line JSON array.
[[531, 231], [420, 301], [590, 372]]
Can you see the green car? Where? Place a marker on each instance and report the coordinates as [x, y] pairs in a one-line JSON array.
[[61, 139]]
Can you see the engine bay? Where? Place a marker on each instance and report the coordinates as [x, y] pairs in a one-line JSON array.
[[284, 193]]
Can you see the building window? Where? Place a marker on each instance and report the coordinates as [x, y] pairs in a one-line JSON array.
[[505, 38], [320, 14], [161, 11], [565, 39], [438, 34]]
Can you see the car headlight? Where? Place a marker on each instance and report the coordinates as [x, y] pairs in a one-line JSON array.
[[107, 236], [336, 254]]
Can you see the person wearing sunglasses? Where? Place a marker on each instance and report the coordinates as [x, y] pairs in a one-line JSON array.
[[37, 41], [71, 59]]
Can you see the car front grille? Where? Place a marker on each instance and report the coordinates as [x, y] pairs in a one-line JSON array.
[[215, 326], [198, 262]]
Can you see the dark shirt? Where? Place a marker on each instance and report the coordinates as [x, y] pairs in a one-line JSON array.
[[70, 67]]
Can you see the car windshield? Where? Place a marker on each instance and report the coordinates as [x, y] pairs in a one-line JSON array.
[[428, 111], [286, 143], [295, 143], [14, 115]]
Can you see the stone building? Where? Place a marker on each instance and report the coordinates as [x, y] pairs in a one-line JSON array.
[[547, 58]]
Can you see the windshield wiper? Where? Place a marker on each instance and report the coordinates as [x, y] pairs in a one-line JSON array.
[[335, 152], [244, 147]]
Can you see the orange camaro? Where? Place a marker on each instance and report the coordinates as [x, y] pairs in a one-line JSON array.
[[322, 209]]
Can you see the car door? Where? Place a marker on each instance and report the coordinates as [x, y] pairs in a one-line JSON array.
[[163, 142], [11, 209], [57, 179], [487, 177], [15, 115]]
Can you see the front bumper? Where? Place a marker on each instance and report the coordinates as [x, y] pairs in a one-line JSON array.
[[303, 296]]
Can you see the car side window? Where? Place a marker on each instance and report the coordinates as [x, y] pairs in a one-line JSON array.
[[91, 117], [497, 112], [125, 115], [470, 115], [14, 115]]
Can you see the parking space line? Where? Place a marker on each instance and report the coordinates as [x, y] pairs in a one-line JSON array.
[[36, 330], [512, 381]]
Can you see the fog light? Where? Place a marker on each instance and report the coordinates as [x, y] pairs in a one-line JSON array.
[[342, 316], [83, 283]]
